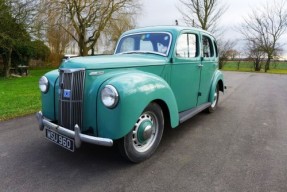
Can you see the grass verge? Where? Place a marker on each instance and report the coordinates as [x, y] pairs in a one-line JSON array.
[[275, 67], [20, 96]]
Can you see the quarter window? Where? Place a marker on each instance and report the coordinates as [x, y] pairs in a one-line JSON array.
[[216, 49], [207, 47]]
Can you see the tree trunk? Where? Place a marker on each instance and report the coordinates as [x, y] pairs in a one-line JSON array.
[[257, 66], [267, 66], [220, 63], [85, 51], [93, 51], [7, 63]]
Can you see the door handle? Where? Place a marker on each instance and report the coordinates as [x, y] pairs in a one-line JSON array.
[[200, 65]]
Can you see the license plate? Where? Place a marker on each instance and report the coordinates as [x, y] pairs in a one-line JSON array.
[[61, 140]]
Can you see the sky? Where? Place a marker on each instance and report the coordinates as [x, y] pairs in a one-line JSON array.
[[165, 12]]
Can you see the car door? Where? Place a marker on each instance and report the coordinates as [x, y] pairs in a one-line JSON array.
[[185, 73], [209, 63]]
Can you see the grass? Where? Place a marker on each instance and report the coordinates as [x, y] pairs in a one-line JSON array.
[[245, 66], [20, 96]]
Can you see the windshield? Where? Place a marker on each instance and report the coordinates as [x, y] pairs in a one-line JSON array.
[[156, 43]]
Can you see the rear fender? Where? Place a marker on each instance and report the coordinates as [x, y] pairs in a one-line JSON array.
[[217, 80]]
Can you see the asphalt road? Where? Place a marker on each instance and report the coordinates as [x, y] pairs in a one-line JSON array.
[[240, 147]]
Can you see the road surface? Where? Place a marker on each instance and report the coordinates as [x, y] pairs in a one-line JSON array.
[[240, 147]]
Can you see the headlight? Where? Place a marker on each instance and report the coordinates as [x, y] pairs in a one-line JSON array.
[[110, 96], [44, 84]]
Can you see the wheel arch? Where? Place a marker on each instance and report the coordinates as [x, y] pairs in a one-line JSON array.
[[217, 80], [166, 112], [221, 86], [136, 91]]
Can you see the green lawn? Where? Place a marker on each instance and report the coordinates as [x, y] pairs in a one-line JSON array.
[[20, 96], [245, 66]]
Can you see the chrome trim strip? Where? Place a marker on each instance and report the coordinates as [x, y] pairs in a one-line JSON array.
[[66, 70], [96, 73], [77, 135]]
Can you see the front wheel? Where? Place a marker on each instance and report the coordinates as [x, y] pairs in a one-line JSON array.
[[145, 136], [214, 102]]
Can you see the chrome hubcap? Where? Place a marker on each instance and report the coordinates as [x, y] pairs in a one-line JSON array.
[[145, 132], [214, 100]]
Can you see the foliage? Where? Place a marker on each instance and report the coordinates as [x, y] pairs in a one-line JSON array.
[[11, 33], [16, 46], [24, 51]]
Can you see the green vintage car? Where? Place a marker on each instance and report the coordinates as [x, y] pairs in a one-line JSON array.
[[157, 77]]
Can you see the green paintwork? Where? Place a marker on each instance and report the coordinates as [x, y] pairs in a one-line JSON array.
[[185, 76], [208, 71], [218, 79], [136, 90], [48, 101], [139, 79]]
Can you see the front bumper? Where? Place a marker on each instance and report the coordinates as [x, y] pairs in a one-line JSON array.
[[77, 135]]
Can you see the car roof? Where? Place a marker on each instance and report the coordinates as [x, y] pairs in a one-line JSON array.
[[172, 29]]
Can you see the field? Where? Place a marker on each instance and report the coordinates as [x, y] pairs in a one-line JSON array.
[[20, 96], [245, 66]]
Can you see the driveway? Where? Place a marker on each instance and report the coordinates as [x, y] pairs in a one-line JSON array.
[[240, 147]]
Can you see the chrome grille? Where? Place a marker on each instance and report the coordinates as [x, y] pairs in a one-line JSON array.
[[71, 84]]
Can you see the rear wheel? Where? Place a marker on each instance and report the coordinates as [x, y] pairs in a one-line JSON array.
[[145, 136], [214, 103]]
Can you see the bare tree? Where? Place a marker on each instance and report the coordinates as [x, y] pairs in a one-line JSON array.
[[202, 13], [225, 47], [116, 28], [85, 20], [57, 38], [264, 27], [256, 54]]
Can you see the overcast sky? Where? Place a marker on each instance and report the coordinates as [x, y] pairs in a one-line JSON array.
[[165, 12]]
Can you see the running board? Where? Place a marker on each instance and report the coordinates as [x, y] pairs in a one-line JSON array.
[[185, 115]]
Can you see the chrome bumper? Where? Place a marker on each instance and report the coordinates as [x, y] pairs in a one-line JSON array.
[[77, 135]]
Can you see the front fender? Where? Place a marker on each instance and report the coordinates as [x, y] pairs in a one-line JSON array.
[[217, 80], [48, 99], [136, 90]]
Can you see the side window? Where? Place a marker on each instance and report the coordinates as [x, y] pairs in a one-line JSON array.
[[216, 49], [207, 47], [186, 46], [192, 45], [181, 47]]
